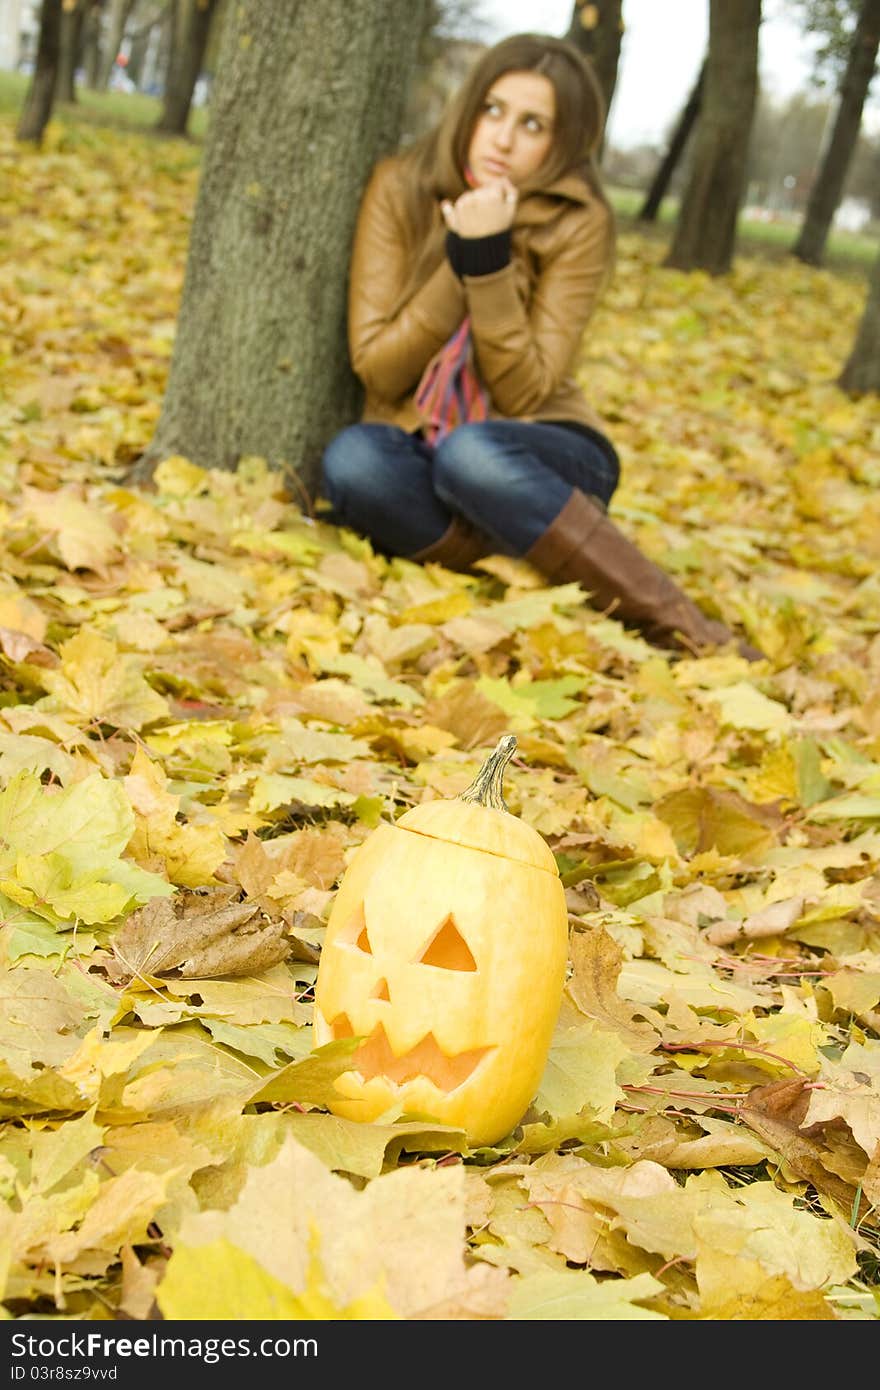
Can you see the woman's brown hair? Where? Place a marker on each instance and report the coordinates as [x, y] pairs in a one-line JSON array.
[[437, 161]]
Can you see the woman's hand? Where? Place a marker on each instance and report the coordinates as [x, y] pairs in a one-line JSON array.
[[482, 211]]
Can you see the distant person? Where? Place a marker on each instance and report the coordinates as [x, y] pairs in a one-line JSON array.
[[479, 256], [119, 78]]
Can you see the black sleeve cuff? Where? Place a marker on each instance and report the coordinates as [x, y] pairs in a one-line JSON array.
[[480, 255]]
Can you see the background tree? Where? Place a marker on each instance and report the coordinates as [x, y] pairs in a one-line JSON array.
[[40, 96], [449, 45], [862, 371], [91, 41], [144, 25], [305, 100], [828, 185], [705, 232], [73, 13], [596, 29], [670, 161], [784, 150], [831, 23], [190, 22], [118, 14]]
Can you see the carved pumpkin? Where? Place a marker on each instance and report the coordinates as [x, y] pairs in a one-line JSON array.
[[445, 954]]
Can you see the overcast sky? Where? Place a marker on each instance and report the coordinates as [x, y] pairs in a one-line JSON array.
[[663, 44]]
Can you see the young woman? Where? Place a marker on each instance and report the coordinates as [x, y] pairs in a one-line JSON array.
[[479, 256]]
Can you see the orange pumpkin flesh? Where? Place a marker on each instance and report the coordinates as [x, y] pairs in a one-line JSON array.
[[445, 953]]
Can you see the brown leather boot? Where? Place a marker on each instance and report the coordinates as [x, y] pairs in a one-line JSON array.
[[459, 546], [584, 544]]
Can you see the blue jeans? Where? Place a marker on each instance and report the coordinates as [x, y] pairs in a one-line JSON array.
[[509, 478]]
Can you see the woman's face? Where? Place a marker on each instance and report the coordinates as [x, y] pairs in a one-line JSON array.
[[514, 130]]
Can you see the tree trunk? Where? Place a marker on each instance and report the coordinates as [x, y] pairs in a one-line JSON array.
[[166, 41], [188, 45], [705, 231], [120, 11], [596, 30], [305, 99], [862, 372], [92, 44], [72, 16], [140, 46], [41, 93], [828, 186], [142, 40], [668, 165]]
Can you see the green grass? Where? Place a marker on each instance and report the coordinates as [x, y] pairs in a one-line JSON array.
[[852, 252], [121, 110]]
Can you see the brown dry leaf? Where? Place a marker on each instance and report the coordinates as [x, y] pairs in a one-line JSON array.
[[849, 1089], [777, 1113], [199, 934], [596, 962], [20, 646], [773, 920], [465, 712], [871, 1179], [315, 856], [702, 818]]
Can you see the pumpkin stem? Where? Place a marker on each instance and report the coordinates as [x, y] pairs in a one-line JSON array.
[[486, 788]]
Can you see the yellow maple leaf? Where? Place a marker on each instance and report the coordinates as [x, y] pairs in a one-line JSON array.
[[177, 477], [220, 1280], [84, 538], [95, 683], [191, 853]]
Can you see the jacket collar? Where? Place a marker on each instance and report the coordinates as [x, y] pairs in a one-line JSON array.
[[539, 205]]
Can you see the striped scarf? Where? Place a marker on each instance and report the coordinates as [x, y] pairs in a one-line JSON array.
[[450, 392]]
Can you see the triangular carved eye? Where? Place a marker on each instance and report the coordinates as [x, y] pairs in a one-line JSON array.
[[448, 948], [354, 933]]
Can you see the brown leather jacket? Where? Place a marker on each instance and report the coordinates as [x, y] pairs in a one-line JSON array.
[[527, 320]]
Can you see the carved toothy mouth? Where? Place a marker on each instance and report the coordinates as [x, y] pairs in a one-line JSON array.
[[376, 1057]]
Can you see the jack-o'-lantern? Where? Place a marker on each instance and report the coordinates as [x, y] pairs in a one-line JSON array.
[[445, 955]]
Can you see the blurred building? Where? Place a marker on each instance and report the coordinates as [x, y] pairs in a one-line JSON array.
[[19, 27]]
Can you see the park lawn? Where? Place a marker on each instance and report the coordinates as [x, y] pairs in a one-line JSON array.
[[115, 110], [209, 699], [845, 252]]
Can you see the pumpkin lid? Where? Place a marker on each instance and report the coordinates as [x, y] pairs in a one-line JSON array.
[[479, 818], [482, 828]]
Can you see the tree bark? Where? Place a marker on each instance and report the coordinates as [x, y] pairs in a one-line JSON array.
[[862, 372], [305, 99], [140, 46], [188, 44], [41, 93], [705, 231], [596, 30], [72, 17], [827, 188], [92, 43], [668, 165]]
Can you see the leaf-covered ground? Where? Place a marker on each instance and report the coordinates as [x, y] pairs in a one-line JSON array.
[[210, 698]]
